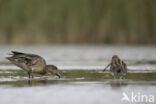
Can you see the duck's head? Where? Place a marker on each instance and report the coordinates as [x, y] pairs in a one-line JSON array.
[[53, 69]]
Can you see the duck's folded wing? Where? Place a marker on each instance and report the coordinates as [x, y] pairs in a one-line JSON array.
[[28, 59]]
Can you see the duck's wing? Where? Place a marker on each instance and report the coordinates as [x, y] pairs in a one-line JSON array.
[[26, 61]]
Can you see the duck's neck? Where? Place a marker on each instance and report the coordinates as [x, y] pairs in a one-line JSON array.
[[43, 72]]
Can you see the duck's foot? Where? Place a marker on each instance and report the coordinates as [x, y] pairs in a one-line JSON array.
[[122, 78]]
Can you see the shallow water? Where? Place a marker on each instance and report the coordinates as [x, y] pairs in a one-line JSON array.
[[83, 80], [87, 57], [80, 86]]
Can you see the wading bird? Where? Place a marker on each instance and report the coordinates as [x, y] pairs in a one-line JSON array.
[[32, 63], [117, 67]]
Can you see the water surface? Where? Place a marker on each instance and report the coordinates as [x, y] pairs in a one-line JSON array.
[[83, 80]]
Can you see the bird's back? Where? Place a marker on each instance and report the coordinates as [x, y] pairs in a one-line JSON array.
[[28, 62], [118, 68]]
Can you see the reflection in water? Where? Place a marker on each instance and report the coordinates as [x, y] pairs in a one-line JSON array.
[[41, 82], [37, 83], [115, 84]]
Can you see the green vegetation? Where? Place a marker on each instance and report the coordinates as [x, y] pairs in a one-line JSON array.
[[19, 78], [78, 21]]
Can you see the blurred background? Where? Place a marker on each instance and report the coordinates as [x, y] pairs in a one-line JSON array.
[[77, 21]]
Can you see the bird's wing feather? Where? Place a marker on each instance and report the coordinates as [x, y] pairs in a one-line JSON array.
[[15, 52], [29, 59]]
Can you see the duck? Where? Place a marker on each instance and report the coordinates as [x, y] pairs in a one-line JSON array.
[[32, 63], [117, 67]]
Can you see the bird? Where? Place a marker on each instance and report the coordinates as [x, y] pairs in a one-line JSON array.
[[32, 63], [117, 67]]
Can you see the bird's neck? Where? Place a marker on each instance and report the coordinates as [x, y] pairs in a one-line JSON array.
[[43, 72]]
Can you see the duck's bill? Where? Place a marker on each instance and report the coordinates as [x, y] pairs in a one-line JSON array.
[[57, 74]]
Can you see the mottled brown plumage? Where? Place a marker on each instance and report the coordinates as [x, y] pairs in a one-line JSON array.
[[32, 63], [117, 66]]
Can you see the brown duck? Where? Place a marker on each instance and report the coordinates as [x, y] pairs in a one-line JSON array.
[[32, 63]]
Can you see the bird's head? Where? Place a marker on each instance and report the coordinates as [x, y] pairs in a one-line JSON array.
[[53, 69], [115, 58]]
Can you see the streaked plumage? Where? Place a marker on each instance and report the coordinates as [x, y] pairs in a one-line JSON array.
[[32, 63], [117, 67]]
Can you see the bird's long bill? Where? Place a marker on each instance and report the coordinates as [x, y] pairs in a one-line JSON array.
[[107, 67]]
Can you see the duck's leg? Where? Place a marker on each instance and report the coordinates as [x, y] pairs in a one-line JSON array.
[[32, 76], [29, 75], [120, 77]]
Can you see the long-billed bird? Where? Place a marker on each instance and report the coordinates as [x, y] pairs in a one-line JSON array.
[[117, 67]]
